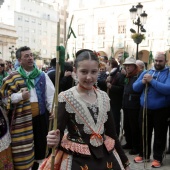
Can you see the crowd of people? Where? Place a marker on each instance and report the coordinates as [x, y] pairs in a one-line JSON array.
[[93, 92]]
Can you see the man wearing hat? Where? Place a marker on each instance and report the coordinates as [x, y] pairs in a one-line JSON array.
[[131, 107]]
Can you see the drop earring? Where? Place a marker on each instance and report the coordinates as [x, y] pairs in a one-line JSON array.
[[95, 84], [76, 80]]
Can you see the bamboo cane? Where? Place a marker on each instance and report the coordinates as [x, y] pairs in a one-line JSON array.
[[109, 67], [65, 45], [112, 52], [57, 74], [145, 139], [50, 123]]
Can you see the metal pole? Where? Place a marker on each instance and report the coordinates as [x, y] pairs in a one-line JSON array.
[[137, 51], [138, 24]]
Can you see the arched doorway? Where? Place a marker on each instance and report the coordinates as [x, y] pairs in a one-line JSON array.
[[118, 52], [143, 55], [168, 57]]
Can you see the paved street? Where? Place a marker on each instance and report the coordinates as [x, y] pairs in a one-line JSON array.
[[134, 166], [140, 166]]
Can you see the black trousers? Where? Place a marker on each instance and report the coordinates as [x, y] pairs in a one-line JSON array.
[[40, 131], [116, 114], [169, 136], [157, 120], [131, 128]]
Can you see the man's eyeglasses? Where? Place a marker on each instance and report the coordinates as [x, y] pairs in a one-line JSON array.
[[2, 65]]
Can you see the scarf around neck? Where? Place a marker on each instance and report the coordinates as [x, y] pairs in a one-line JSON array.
[[132, 74], [29, 78]]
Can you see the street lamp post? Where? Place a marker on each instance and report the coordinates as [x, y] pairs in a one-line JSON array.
[[12, 50], [140, 21]]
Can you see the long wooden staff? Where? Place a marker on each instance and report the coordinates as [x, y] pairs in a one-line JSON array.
[[112, 47], [50, 125], [57, 74], [145, 127], [65, 45]]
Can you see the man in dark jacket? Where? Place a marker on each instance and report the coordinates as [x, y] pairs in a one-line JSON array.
[[131, 107]]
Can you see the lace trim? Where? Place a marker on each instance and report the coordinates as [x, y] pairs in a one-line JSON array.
[[75, 147], [118, 159], [66, 164], [76, 105], [6, 139], [109, 143]]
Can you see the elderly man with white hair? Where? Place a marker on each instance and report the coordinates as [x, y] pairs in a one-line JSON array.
[[140, 64]]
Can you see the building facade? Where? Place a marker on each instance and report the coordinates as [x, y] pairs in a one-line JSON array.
[[35, 23], [8, 37], [107, 23]]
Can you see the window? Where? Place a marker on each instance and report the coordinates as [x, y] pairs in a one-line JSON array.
[[61, 30], [33, 20], [26, 19], [62, 21], [61, 40], [45, 33], [53, 39], [53, 49], [39, 32], [26, 39], [122, 27], [19, 28], [62, 12], [20, 18], [33, 40], [101, 28], [32, 30], [81, 29], [26, 30], [19, 38], [44, 51], [39, 22], [44, 43], [54, 26], [168, 23]]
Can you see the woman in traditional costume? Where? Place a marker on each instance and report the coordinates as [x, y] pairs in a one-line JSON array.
[[3, 73], [90, 141], [5, 140]]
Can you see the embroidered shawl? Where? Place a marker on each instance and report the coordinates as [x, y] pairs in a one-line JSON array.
[[74, 104], [21, 125]]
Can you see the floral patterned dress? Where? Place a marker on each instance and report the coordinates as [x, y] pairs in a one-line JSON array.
[[5, 149], [91, 141]]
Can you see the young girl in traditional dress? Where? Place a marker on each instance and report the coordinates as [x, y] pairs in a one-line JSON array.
[[91, 141]]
